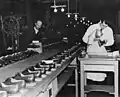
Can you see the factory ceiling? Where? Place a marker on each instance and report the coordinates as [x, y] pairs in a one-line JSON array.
[[86, 4], [90, 4]]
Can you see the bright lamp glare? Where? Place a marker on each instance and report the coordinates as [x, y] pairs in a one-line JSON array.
[[68, 15], [75, 15], [55, 10], [76, 18], [62, 9]]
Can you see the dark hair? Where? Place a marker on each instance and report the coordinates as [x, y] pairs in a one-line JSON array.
[[112, 25]]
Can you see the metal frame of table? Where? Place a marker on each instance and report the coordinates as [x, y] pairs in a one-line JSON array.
[[98, 64]]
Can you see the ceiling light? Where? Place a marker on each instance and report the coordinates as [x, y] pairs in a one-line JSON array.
[[81, 21], [70, 22], [77, 22], [55, 10], [75, 15], [68, 15], [74, 25], [83, 18], [62, 9], [76, 18]]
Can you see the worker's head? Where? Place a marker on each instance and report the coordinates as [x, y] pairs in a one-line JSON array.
[[103, 24], [38, 24]]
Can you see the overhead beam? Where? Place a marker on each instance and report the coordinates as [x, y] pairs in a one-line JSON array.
[[51, 1]]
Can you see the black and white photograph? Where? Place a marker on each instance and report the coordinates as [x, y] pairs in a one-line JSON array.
[[59, 48]]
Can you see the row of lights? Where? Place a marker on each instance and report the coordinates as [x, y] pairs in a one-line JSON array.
[[82, 20], [62, 10], [58, 6], [85, 21]]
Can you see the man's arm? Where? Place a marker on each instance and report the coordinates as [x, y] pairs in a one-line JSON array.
[[89, 34]]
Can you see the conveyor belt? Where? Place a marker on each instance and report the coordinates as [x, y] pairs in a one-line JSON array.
[[42, 86], [12, 69]]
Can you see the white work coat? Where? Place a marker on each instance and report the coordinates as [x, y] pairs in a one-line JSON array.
[[94, 48], [90, 35]]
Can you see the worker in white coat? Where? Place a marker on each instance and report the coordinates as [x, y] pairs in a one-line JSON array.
[[97, 37]]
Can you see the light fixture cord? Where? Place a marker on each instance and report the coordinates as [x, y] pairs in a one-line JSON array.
[[76, 6], [54, 3], [68, 6]]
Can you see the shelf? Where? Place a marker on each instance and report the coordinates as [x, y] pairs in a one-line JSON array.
[[105, 88], [63, 77], [99, 67]]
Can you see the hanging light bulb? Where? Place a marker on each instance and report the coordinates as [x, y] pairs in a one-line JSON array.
[[77, 22], [74, 25], [76, 17], [62, 9], [70, 22], [91, 23], [54, 6], [76, 13], [68, 15], [55, 10], [66, 25], [83, 18], [81, 21]]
